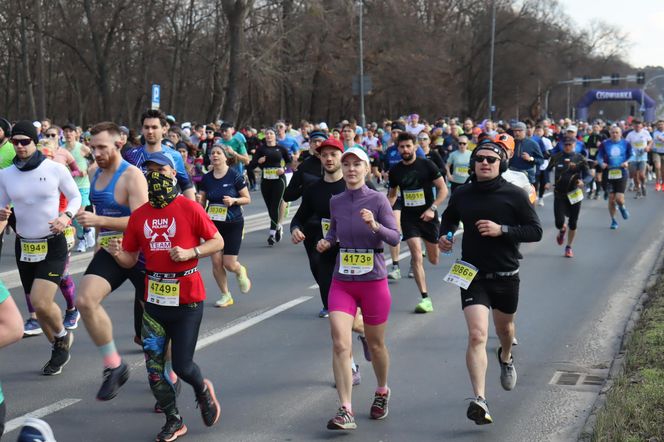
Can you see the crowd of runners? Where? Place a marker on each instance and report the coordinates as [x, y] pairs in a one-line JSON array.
[[150, 203]]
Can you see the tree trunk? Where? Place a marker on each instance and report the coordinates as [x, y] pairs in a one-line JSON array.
[[41, 80], [26, 69]]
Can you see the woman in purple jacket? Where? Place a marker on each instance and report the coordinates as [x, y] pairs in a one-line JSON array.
[[361, 219]]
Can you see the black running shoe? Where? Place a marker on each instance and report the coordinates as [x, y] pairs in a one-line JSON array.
[[277, 235], [271, 240], [60, 355], [478, 411], [114, 378], [173, 429], [209, 405]]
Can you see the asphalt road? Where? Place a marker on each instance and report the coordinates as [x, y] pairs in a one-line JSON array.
[[269, 355]]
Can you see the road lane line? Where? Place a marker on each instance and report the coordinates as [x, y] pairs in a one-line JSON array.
[[245, 322], [39, 413]]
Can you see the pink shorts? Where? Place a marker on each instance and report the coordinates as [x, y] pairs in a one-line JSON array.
[[373, 297]]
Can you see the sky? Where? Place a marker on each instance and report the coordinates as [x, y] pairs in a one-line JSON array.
[[643, 20]]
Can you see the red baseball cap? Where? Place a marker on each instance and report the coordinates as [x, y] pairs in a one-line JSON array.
[[331, 142]]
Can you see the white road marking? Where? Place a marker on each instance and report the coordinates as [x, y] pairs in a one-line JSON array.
[[252, 319], [39, 413]]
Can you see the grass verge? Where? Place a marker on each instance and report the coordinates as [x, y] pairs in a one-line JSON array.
[[634, 408]]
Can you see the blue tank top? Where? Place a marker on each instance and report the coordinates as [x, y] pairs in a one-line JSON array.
[[104, 200]]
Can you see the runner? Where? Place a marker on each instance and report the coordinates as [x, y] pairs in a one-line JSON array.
[[117, 189], [360, 220], [571, 176], [658, 153], [226, 192], [641, 143], [272, 159], [416, 179], [168, 231], [33, 184], [7, 154], [153, 124], [593, 142], [11, 330], [308, 172], [458, 164], [497, 217], [612, 157]]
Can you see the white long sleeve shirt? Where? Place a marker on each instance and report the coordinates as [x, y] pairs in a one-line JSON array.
[[35, 195]]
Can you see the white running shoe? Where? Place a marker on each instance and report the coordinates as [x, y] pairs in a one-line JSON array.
[[82, 246], [90, 238]]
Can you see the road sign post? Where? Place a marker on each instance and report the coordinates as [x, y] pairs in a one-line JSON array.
[[156, 96]]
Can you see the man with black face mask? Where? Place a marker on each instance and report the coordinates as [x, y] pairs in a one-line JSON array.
[[33, 184], [168, 231]]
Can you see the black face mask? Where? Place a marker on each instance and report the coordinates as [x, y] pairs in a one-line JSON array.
[[29, 163], [162, 190]]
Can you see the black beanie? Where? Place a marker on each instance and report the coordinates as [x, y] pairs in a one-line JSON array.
[[6, 126], [26, 128]]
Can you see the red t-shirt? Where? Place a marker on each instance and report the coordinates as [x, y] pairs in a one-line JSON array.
[[156, 231]]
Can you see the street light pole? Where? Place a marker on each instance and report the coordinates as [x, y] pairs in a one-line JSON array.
[[363, 121], [493, 43]]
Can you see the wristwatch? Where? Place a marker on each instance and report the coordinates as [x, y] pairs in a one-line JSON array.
[[69, 215], [505, 229], [433, 207], [197, 252]]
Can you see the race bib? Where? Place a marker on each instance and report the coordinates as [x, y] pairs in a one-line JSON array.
[[593, 151], [271, 173], [461, 274], [33, 250], [461, 170], [106, 237], [325, 226], [164, 292], [70, 236], [615, 174], [575, 196], [413, 198], [217, 212], [356, 261]]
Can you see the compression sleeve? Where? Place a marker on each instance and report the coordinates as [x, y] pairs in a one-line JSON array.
[[68, 187]]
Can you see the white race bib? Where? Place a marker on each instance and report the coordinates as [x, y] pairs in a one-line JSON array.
[[325, 226], [106, 237], [164, 292], [413, 198], [356, 261], [33, 250], [461, 170], [70, 236], [217, 212], [461, 274], [575, 196]]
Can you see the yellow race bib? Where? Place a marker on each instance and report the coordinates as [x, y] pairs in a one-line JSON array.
[[33, 250], [217, 212], [356, 261], [164, 292], [413, 198]]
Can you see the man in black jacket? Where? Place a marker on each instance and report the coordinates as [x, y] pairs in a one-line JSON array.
[[497, 216], [310, 171]]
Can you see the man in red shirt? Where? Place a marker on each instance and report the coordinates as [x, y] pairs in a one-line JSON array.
[[168, 231]]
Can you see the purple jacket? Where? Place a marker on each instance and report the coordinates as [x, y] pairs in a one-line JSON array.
[[348, 228]]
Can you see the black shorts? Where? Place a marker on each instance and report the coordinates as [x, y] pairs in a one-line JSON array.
[[417, 228], [232, 235], [501, 293], [617, 186], [52, 268], [105, 266], [563, 208]]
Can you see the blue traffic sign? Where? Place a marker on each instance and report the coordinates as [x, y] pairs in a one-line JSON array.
[[156, 96]]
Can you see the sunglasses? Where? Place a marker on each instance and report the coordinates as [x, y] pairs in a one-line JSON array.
[[52, 135], [463, 144], [423, 139], [23, 142], [490, 160]]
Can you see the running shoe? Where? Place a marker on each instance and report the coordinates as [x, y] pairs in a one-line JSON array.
[[60, 355], [357, 378], [32, 327], [243, 280], [81, 246], [540, 202], [515, 341], [411, 275], [637, 195], [225, 301], [35, 430], [614, 224], [606, 196], [478, 411], [658, 187], [365, 347], [114, 378], [71, 319], [568, 252], [596, 196], [424, 306], [323, 313], [173, 429], [343, 420], [280, 231], [89, 236], [560, 238], [271, 240], [394, 274], [624, 212], [507, 371], [209, 405], [379, 409]]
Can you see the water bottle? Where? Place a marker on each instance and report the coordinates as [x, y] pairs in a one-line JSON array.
[[450, 237]]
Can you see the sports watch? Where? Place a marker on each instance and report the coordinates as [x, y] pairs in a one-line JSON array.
[[505, 229]]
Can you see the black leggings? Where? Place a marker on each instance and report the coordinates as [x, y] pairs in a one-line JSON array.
[[563, 208], [273, 193], [180, 326], [542, 179], [321, 265], [251, 177], [3, 412]]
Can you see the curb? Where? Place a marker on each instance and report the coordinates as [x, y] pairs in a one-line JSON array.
[[617, 367]]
